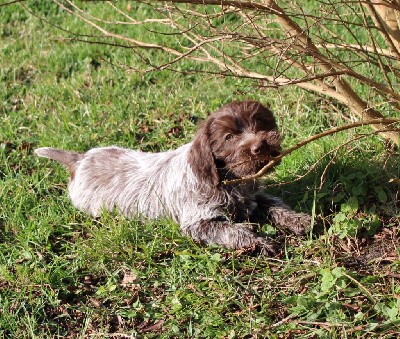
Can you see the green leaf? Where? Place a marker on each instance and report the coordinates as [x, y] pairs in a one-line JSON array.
[[392, 313], [369, 280], [339, 197], [112, 288], [360, 316], [339, 272], [269, 230], [175, 304], [381, 194], [373, 225], [350, 206], [327, 280], [305, 197], [352, 227], [372, 209], [216, 257], [357, 190], [101, 290], [340, 217]]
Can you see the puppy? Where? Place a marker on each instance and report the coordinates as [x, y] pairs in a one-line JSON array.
[[186, 184]]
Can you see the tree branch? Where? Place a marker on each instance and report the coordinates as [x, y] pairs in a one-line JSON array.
[[382, 122]]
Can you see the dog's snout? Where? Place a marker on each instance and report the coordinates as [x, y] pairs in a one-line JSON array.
[[262, 148], [259, 148], [256, 149]]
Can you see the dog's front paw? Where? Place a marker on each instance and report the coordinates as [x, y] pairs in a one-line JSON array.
[[267, 246], [300, 223]]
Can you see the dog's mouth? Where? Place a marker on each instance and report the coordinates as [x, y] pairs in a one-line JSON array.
[[260, 164], [266, 160], [243, 168]]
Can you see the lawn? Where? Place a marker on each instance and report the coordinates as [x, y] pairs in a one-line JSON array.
[[66, 274]]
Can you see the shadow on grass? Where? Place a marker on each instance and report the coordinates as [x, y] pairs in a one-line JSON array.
[[357, 203], [331, 184]]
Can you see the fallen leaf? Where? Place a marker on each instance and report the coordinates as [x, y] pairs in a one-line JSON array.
[[129, 279]]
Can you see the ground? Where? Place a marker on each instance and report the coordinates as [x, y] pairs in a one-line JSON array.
[[65, 274]]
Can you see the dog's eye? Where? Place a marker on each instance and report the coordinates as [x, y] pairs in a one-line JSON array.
[[228, 136]]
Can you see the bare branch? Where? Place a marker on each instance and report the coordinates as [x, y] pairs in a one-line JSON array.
[[114, 35], [273, 44], [380, 122], [11, 2]]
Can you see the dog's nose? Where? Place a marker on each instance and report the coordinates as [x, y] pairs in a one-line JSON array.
[[258, 148]]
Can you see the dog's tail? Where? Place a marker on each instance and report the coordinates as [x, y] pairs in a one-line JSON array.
[[67, 158]]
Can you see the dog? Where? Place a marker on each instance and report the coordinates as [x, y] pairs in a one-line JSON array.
[[186, 184]]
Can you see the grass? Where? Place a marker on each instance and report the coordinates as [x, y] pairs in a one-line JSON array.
[[65, 274]]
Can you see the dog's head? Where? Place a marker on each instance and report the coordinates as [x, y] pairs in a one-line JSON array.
[[236, 141]]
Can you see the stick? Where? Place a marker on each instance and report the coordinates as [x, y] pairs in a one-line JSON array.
[[275, 160]]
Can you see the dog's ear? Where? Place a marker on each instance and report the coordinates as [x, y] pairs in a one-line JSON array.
[[200, 156]]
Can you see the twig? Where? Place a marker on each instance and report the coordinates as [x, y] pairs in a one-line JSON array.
[[319, 323], [362, 287], [112, 335], [316, 163], [11, 2], [275, 160], [114, 35], [358, 48], [283, 321]]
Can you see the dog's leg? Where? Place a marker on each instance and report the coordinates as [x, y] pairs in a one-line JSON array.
[[281, 215], [235, 236]]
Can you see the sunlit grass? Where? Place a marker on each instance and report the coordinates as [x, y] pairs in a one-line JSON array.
[[63, 273]]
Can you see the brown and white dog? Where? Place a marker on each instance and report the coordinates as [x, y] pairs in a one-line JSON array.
[[186, 184]]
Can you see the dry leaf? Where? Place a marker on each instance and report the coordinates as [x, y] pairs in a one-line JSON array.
[[128, 279]]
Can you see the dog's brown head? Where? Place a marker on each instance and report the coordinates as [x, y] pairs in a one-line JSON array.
[[237, 140]]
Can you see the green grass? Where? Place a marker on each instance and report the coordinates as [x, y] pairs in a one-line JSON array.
[[63, 273]]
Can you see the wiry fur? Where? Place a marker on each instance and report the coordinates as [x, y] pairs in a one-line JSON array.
[[185, 184]]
